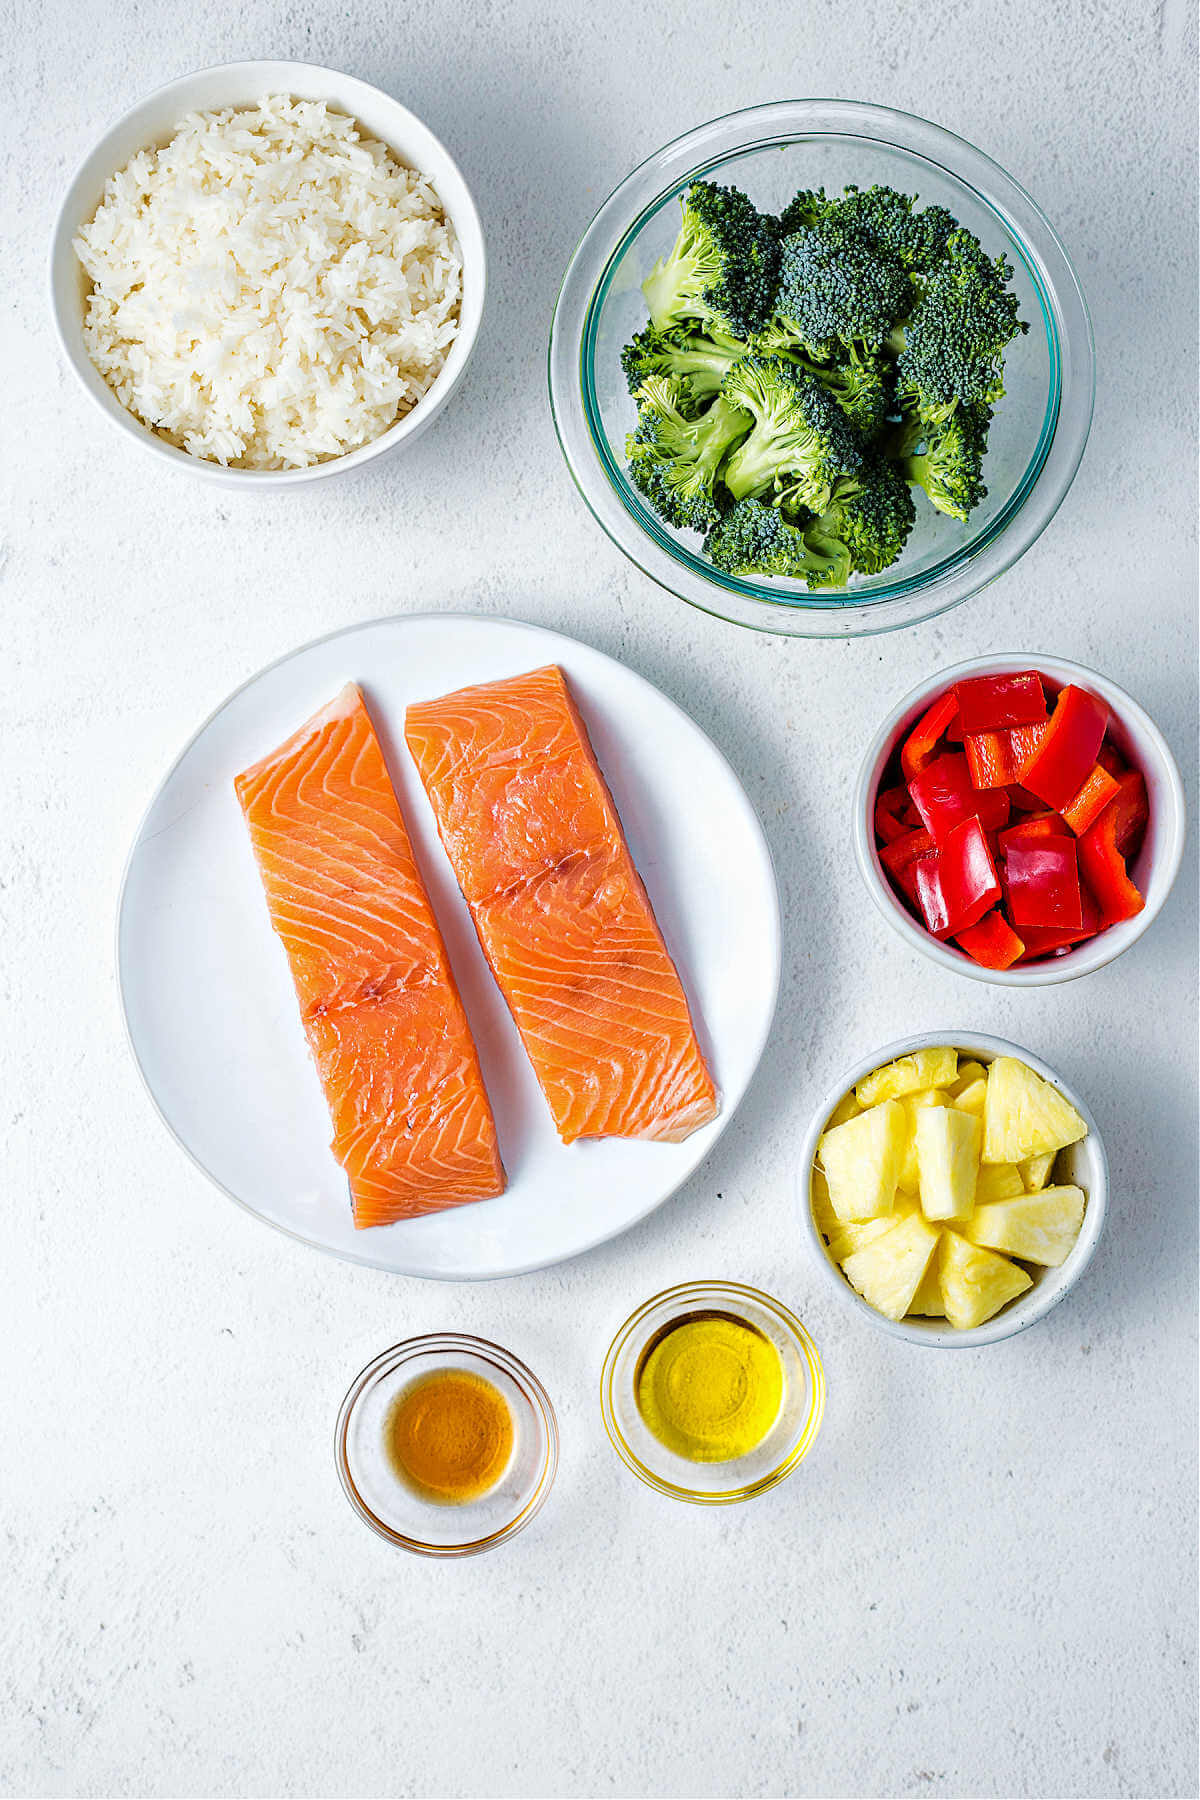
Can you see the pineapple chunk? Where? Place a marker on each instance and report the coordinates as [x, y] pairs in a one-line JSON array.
[[846, 1108], [927, 1301], [888, 1272], [848, 1238], [947, 1143], [910, 1180], [822, 1207], [862, 1159], [968, 1075], [971, 1098], [1037, 1170], [976, 1283], [908, 1075], [1024, 1116], [1039, 1228], [998, 1181]]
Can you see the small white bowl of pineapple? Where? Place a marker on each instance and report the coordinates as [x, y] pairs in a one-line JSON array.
[[962, 1229]]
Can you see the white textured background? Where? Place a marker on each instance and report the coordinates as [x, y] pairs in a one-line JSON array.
[[982, 1582]]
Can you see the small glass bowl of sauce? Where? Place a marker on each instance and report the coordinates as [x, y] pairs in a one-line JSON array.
[[446, 1445], [712, 1392]]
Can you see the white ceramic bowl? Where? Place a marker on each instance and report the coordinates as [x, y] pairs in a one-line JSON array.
[[1153, 869], [152, 122], [1084, 1164]]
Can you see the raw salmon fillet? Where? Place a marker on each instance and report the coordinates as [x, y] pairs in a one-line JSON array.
[[412, 1126], [534, 838]]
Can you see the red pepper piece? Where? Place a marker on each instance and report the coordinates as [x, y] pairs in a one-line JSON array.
[[1043, 940], [1026, 741], [1101, 860], [1041, 882], [995, 702], [1061, 763], [992, 942], [890, 804], [944, 795], [901, 857], [923, 740], [1091, 800], [1037, 826], [958, 884], [991, 759], [1110, 758], [1021, 800], [1132, 810]]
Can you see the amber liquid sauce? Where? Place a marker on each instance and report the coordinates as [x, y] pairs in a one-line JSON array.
[[449, 1436]]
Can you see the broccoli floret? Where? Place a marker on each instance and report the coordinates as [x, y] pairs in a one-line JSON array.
[[698, 362], [892, 225], [724, 265], [801, 443], [946, 459], [836, 291], [675, 461], [954, 340], [755, 539], [807, 209], [860, 381], [870, 515]]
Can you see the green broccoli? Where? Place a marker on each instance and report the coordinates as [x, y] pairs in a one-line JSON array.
[[806, 210], [945, 459], [954, 341], [870, 515], [836, 292], [675, 461], [801, 442], [698, 362], [755, 539], [723, 267], [892, 226]]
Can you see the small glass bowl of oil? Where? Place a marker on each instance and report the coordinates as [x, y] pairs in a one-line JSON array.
[[712, 1392], [446, 1445]]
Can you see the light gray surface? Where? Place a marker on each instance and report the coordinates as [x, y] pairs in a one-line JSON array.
[[982, 1582]]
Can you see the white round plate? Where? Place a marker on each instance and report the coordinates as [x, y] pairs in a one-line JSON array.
[[209, 1004]]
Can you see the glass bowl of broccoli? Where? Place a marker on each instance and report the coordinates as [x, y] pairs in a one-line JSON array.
[[821, 368]]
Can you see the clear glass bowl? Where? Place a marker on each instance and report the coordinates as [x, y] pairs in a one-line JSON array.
[[395, 1511], [1040, 429], [785, 1445]]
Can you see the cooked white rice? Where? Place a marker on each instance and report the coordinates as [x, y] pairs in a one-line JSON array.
[[271, 288]]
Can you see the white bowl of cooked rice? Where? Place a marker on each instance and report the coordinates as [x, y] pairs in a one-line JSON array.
[[268, 273]]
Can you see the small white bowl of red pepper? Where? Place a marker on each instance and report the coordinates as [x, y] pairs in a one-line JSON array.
[[1020, 820]]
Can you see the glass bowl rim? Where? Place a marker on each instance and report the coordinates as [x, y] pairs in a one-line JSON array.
[[963, 571], [804, 1436], [532, 1392]]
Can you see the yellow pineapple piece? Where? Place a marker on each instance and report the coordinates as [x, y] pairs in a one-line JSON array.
[[861, 1159], [1024, 1116], [846, 1108], [947, 1143], [908, 1075], [927, 1302], [822, 1207], [971, 1098], [853, 1236], [968, 1074], [1037, 1170], [998, 1181], [975, 1282], [1039, 1228], [888, 1272], [909, 1181]]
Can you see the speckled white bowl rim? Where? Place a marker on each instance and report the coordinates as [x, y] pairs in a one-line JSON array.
[[240, 84], [1052, 1286], [1163, 784]]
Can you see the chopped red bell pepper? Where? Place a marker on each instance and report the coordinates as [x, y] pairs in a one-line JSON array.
[[890, 803], [1041, 882], [991, 759], [1034, 826], [922, 741], [1043, 940], [944, 795], [901, 856], [958, 883], [1131, 811], [995, 702], [1110, 758], [1100, 856], [1091, 800], [1026, 741], [1067, 752], [1021, 800], [992, 942]]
